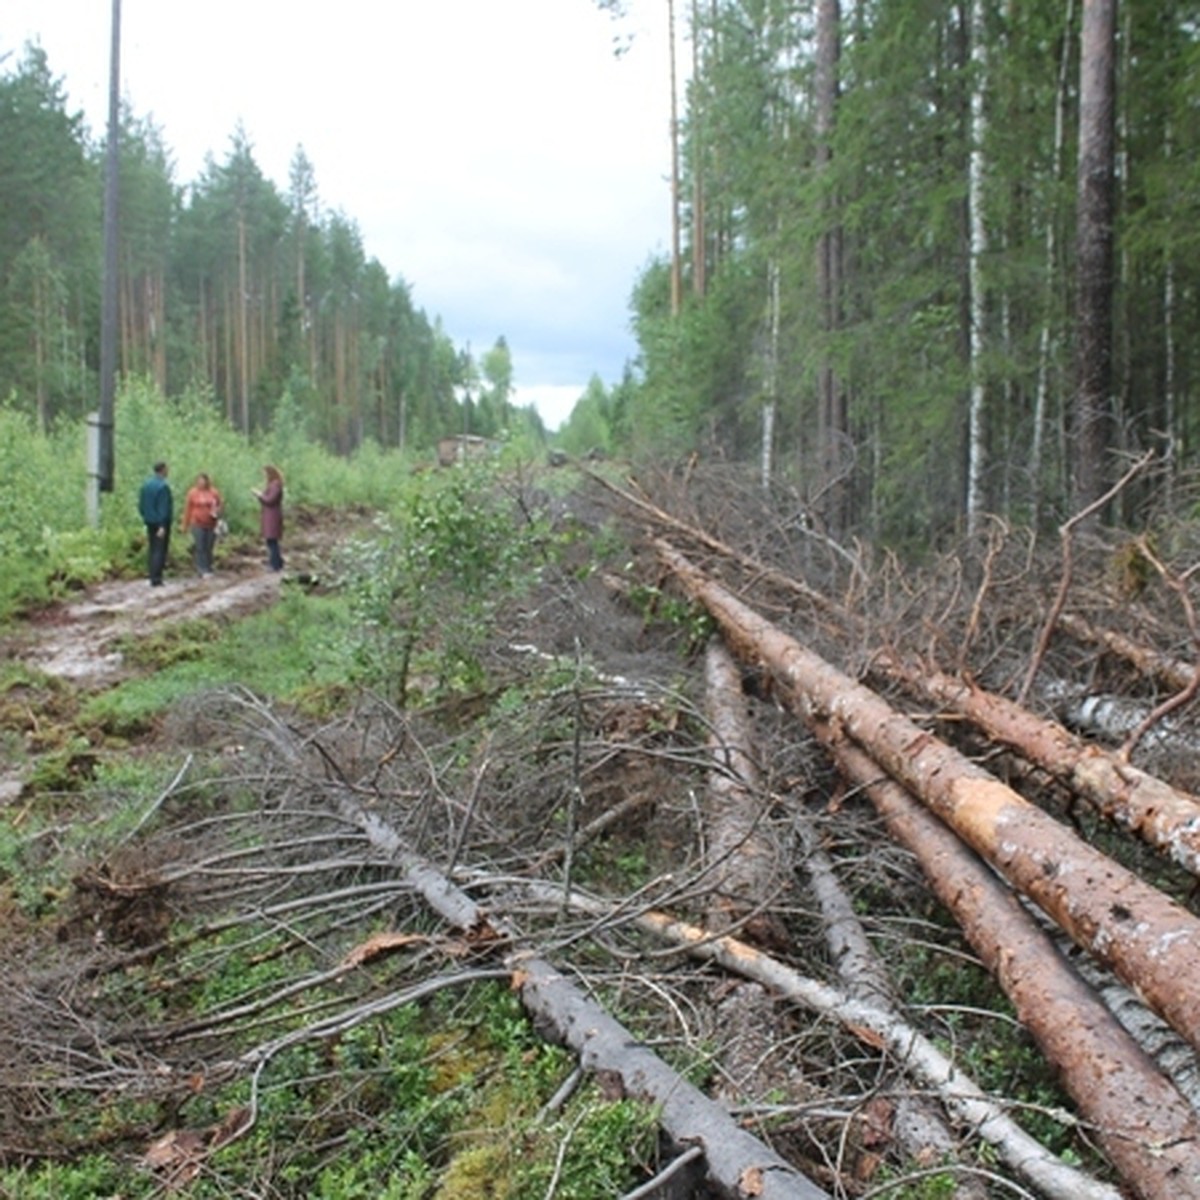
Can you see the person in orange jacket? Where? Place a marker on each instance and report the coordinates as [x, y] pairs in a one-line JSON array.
[[201, 511]]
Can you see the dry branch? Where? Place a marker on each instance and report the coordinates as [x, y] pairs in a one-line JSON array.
[[738, 1163], [716, 546], [1065, 532], [1174, 672], [914, 1053], [1161, 815], [1149, 940]]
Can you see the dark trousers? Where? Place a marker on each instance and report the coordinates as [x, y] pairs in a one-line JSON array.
[[274, 557], [158, 550]]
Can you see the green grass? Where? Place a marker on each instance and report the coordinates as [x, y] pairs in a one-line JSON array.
[[291, 652]]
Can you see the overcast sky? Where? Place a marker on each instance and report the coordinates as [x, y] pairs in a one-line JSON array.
[[495, 154]]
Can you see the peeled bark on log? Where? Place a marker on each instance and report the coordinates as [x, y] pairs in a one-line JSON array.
[[1166, 1049], [1147, 939], [1148, 1130], [738, 1163], [1159, 814], [1174, 672]]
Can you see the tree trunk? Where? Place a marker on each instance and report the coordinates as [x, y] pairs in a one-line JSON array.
[[832, 406], [746, 867], [1146, 938], [1094, 248], [1147, 1128], [676, 252], [738, 1163], [699, 153], [1162, 816], [771, 401], [977, 307]]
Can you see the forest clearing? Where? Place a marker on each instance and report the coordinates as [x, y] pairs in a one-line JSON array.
[[782, 783], [741, 863]]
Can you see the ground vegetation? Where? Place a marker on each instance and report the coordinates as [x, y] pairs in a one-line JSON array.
[[450, 865]]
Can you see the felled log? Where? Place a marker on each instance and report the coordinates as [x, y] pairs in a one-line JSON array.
[[743, 863], [919, 1126], [743, 872], [1158, 813], [1148, 1130], [1147, 939], [1174, 672], [738, 1164], [920, 1058]]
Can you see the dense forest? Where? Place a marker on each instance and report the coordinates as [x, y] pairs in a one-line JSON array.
[[936, 258], [927, 261]]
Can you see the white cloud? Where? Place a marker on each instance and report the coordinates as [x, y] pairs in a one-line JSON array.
[[553, 402]]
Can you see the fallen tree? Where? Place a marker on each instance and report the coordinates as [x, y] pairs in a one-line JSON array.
[[921, 1060], [737, 1162], [1109, 911], [1159, 814], [749, 874], [1149, 1131]]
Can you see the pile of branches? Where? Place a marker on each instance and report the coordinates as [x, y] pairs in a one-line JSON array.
[[857, 762]]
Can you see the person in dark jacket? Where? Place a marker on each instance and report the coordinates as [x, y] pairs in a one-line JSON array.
[[270, 501], [156, 509]]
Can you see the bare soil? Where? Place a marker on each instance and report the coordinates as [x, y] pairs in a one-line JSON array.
[[79, 640]]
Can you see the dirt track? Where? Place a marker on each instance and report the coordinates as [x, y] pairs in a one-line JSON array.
[[78, 640]]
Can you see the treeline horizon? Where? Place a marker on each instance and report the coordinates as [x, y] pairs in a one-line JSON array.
[[227, 286], [928, 263]]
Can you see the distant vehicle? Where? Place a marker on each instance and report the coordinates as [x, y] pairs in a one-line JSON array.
[[462, 446]]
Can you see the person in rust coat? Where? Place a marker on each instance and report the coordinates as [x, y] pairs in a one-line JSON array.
[[270, 502], [201, 512]]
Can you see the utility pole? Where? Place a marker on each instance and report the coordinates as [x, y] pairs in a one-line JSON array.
[[101, 457]]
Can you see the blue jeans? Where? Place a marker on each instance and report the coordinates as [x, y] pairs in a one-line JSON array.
[[203, 541], [274, 558]]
